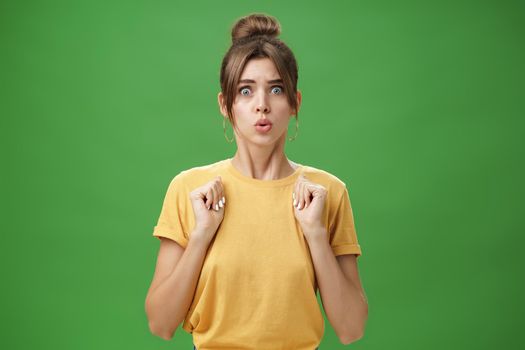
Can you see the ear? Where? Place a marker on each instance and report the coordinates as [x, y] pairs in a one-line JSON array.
[[299, 99], [222, 105]]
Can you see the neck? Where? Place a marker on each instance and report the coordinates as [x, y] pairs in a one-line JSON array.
[[263, 163]]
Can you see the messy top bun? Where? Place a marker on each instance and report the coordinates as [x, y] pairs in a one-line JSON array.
[[256, 36], [255, 24]]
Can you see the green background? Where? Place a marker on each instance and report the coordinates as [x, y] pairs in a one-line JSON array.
[[417, 106]]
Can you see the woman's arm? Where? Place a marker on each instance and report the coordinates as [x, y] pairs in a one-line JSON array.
[[173, 287], [341, 292]]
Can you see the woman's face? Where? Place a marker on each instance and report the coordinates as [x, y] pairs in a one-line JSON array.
[[260, 96]]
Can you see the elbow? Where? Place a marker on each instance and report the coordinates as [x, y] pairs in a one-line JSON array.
[[161, 333], [345, 340], [166, 336], [353, 334], [156, 328], [350, 336]]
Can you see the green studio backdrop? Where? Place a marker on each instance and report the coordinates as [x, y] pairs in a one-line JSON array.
[[417, 106]]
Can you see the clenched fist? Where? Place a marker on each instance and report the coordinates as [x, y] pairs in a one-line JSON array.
[[309, 199], [208, 202]]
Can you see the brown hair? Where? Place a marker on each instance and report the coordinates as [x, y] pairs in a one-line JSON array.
[[255, 36]]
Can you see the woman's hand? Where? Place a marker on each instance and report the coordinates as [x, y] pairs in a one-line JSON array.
[[208, 202], [308, 200]]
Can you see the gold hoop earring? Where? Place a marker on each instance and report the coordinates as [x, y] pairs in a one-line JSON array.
[[296, 129], [224, 128]]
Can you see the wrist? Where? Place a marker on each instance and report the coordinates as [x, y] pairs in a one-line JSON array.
[[315, 232], [314, 228], [201, 235]]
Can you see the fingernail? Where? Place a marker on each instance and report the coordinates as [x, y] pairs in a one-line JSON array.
[[223, 200], [216, 207], [220, 204], [294, 202], [299, 206]]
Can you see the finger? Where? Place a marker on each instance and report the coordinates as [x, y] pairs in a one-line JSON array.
[[222, 200], [209, 198], [305, 194], [215, 198], [300, 192], [307, 197], [296, 192], [199, 195], [216, 194]]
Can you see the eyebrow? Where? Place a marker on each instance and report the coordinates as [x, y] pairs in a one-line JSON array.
[[251, 81]]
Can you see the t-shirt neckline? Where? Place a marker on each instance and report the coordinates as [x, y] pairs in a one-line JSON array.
[[290, 179]]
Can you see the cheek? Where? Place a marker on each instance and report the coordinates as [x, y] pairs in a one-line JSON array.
[[241, 113], [282, 106], [239, 110]]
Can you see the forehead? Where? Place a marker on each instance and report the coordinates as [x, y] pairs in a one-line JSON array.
[[260, 69]]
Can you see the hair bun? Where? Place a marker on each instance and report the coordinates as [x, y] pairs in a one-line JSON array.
[[255, 24]]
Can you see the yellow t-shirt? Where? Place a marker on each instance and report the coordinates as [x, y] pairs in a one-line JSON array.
[[257, 288]]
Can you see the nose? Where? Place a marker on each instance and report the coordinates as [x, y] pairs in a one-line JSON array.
[[262, 105]]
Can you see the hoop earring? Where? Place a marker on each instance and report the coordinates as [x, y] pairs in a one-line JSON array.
[[224, 128], [296, 129]]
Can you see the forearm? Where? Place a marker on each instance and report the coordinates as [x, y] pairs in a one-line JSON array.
[[169, 303], [344, 303]]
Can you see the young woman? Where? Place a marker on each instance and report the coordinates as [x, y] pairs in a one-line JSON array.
[[247, 241]]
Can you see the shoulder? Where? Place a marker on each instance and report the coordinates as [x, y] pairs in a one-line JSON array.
[[333, 184], [197, 175]]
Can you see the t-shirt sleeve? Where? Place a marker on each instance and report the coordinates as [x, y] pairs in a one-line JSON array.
[[343, 238], [171, 222]]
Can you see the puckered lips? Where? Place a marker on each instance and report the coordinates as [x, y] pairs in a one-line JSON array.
[[263, 125]]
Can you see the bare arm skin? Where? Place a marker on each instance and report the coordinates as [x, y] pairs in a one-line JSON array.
[[341, 290], [177, 271], [173, 286]]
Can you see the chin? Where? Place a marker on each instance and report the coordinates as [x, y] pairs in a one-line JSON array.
[[262, 140]]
